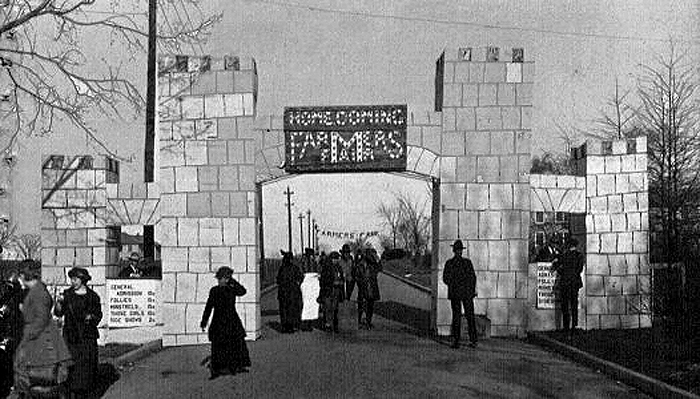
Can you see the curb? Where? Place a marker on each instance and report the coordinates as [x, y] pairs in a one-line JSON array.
[[139, 353], [645, 383]]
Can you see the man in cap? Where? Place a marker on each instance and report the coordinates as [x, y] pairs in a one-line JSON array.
[[132, 270], [460, 279]]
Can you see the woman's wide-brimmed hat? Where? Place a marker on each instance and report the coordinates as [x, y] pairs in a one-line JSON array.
[[135, 256], [224, 272], [80, 273]]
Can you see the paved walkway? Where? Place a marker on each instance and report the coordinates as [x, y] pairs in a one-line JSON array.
[[387, 362]]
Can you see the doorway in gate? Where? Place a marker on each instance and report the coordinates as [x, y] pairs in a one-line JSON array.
[[315, 214]]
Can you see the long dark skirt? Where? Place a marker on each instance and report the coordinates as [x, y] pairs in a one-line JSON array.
[[81, 375], [6, 372], [290, 305], [229, 354]]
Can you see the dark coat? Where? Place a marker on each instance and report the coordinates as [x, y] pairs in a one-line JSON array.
[[547, 253], [460, 278], [41, 343], [569, 266], [331, 272], [289, 279], [365, 274], [10, 315], [129, 272], [225, 324], [81, 316], [77, 327]]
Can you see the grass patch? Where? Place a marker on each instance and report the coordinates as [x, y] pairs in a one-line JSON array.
[[406, 268], [645, 350]]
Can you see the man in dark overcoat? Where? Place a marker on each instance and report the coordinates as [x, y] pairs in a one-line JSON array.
[[460, 278], [289, 279], [332, 285], [569, 266]]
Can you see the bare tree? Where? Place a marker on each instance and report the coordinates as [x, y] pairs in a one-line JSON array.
[[390, 216], [669, 113], [7, 234], [617, 120], [409, 222], [414, 225], [550, 163], [46, 75], [29, 246]]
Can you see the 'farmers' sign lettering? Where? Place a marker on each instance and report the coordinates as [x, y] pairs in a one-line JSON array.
[[334, 139]]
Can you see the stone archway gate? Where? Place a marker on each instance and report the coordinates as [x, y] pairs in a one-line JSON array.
[[215, 148]]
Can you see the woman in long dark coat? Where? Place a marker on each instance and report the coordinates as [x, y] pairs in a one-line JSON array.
[[229, 353], [80, 307], [289, 279], [42, 349], [365, 274]]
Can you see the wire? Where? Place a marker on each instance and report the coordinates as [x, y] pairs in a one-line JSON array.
[[472, 24]]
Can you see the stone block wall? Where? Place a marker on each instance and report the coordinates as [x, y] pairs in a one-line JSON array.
[[484, 182], [558, 193], [552, 193], [617, 272], [75, 219], [207, 188]]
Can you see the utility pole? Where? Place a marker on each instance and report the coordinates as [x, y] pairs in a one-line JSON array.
[[149, 156], [308, 221], [315, 236], [289, 193], [301, 230]]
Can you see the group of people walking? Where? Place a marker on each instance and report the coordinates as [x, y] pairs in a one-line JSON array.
[[36, 358], [340, 273]]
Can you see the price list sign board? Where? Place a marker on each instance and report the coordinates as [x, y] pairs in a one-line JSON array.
[[345, 139], [133, 303], [545, 285]]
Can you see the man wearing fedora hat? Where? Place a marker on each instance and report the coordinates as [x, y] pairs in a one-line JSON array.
[[460, 279]]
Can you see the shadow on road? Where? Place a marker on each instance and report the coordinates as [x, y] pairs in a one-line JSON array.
[[417, 319], [107, 375]]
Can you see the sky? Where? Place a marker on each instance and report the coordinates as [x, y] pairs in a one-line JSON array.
[[369, 52], [318, 52], [338, 202]]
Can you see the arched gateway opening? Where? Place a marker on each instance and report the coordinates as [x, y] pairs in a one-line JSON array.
[[322, 151]]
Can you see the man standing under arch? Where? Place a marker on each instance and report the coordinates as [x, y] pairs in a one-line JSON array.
[[460, 278]]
